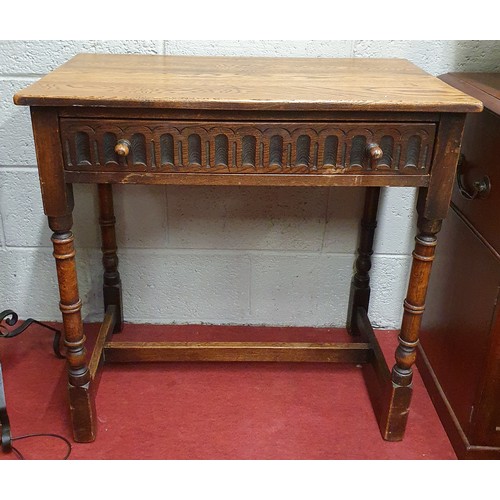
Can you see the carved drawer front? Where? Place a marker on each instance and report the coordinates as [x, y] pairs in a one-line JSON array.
[[239, 147]]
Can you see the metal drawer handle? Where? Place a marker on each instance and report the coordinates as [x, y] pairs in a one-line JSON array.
[[122, 147], [479, 189]]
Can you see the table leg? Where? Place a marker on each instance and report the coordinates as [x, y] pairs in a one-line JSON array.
[[112, 289], [360, 284], [80, 398], [393, 421]]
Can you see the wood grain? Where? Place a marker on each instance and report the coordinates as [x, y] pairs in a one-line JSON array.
[[105, 332], [237, 351], [289, 120], [200, 179], [57, 196], [143, 81]]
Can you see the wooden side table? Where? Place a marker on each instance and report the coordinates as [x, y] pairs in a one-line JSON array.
[[109, 119]]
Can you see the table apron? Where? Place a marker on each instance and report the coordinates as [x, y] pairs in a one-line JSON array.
[[76, 177]]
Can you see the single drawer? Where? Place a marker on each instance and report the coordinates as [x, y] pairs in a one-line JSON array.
[[477, 190], [240, 147]]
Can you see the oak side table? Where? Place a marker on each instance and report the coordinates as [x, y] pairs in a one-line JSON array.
[[108, 119]]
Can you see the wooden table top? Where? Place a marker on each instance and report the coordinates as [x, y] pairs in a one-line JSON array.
[[246, 83]]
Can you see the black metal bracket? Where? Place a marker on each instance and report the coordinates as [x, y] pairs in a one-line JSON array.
[[10, 318]]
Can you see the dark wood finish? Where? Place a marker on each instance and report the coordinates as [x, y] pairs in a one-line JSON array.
[[377, 361], [486, 424], [459, 357], [461, 444], [57, 195], [483, 86], [376, 373], [435, 200], [112, 287], [103, 336], [360, 284], [263, 115], [480, 163], [245, 121], [237, 351], [200, 179], [252, 147]]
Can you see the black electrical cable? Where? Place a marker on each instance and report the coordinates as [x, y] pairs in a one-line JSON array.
[[10, 318], [26, 436]]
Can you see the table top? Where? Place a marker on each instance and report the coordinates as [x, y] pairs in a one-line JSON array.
[[246, 83]]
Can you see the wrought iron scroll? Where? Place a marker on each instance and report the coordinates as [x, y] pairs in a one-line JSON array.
[[9, 318]]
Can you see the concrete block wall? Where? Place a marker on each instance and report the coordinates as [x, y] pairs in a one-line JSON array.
[[201, 254]]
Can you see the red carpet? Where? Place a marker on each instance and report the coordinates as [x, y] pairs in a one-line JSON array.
[[212, 411]]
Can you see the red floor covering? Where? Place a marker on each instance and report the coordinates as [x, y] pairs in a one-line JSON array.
[[215, 411]]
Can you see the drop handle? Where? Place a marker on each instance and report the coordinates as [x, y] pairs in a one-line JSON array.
[[122, 147], [480, 189], [374, 151]]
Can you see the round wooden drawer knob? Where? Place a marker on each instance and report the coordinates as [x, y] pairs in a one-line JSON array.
[[374, 151], [122, 147]]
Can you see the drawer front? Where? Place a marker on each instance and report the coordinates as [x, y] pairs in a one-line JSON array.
[[241, 147], [481, 163]]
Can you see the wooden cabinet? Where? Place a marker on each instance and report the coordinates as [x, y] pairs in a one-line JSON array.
[[460, 337]]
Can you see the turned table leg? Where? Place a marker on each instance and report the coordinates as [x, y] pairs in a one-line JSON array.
[[432, 207], [394, 419], [80, 398], [112, 289], [360, 284], [58, 203]]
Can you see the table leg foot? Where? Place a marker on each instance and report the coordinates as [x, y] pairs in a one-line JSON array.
[[395, 412], [83, 413]]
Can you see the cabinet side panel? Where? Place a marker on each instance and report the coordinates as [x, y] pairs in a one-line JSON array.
[[460, 306]]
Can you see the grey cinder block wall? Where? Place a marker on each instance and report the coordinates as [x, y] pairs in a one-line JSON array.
[[274, 256]]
